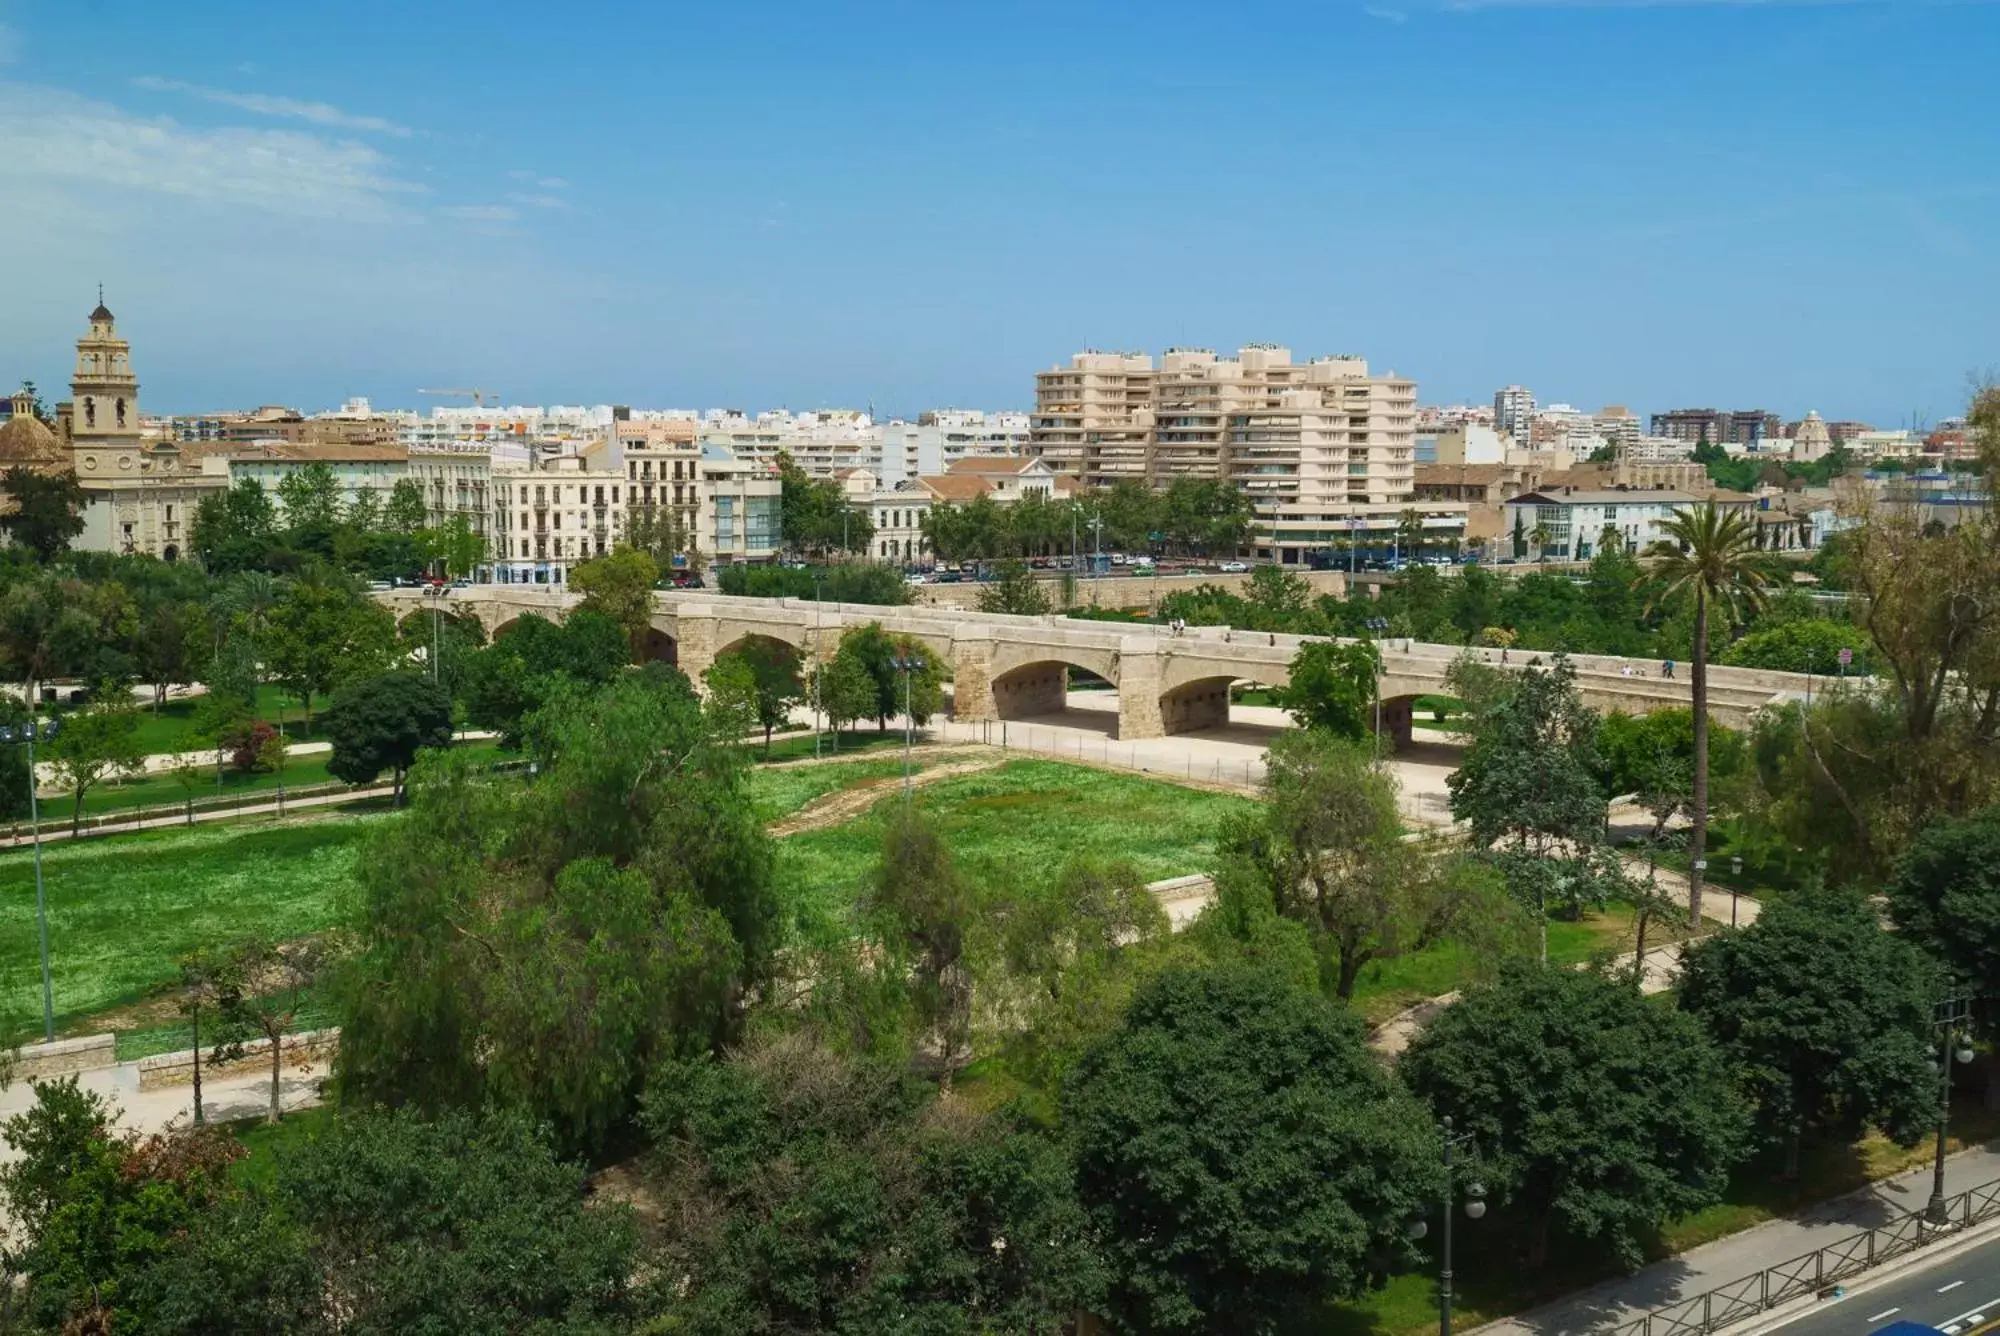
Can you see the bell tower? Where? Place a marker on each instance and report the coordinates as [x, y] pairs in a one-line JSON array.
[[104, 398]]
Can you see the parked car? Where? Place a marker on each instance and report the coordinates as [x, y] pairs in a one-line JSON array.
[[1234, 567], [1141, 563]]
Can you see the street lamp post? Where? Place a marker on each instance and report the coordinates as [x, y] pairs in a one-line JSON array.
[[1736, 873], [907, 666], [819, 628], [26, 733], [1950, 1016], [1475, 1208]]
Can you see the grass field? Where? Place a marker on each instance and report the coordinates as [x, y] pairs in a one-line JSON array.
[[778, 791], [124, 909], [799, 746], [1023, 818], [171, 728]]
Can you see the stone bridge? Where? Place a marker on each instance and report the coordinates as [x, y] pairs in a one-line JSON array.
[[1005, 667]]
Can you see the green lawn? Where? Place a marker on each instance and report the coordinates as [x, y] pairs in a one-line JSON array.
[[777, 791], [124, 909], [171, 728], [799, 746], [1389, 986], [265, 1140], [160, 790], [1023, 818]]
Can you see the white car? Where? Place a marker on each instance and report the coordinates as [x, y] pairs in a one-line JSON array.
[[1233, 567]]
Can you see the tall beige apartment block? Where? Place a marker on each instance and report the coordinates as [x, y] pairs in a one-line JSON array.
[[1094, 418], [1325, 451]]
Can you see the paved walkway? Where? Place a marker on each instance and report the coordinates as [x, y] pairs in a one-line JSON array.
[[1740, 1255], [223, 1099]]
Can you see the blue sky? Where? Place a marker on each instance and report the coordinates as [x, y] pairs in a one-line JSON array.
[[1787, 204]]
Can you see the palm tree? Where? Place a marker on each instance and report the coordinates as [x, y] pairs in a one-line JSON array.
[[1540, 536], [1713, 555]]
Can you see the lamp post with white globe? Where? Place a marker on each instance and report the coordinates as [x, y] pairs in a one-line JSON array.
[[1475, 1208], [1952, 1015]]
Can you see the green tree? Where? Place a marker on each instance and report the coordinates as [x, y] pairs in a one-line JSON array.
[[453, 547], [1475, 601], [822, 1193], [815, 515], [546, 945], [845, 691], [1332, 686], [259, 987], [322, 634], [381, 723], [529, 659], [42, 629], [1245, 1156], [1945, 897], [405, 512], [1826, 1018], [234, 530], [173, 644], [1595, 1111], [47, 512], [311, 500], [420, 1224], [1528, 790], [919, 906], [1710, 555], [620, 587], [1330, 850], [94, 744], [1809, 645], [757, 685], [1014, 589]]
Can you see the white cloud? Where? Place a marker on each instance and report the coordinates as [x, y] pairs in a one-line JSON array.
[[60, 137], [1386, 15], [265, 104], [537, 179], [482, 213], [540, 201]]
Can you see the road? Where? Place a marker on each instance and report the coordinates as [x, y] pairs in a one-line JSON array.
[[1960, 1297]]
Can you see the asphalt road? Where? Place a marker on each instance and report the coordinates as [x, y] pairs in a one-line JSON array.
[[1960, 1297]]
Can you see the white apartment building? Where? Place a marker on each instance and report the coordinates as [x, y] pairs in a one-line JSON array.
[[553, 514], [1573, 521], [455, 482], [1325, 450], [1514, 412], [566, 426], [357, 468], [936, 441], [730, 506], [1618, 425], [897, 514]]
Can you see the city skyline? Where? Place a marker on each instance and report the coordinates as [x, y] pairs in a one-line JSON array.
[[767, 209]]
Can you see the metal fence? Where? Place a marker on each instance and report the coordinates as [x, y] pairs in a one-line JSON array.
[[56, 823], [1816, 1272]]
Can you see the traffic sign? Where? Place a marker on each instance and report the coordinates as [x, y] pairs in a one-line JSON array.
[[1846, 656]]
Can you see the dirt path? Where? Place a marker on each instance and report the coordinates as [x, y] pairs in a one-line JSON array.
[[843, 805]]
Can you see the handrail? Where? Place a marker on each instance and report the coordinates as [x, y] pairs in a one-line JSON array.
[[1813, 1272]]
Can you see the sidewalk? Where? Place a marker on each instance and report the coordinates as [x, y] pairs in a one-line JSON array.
[[224, 1099], [1740, 1255]]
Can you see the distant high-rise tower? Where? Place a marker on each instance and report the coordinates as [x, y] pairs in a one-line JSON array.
[[1514, 412]]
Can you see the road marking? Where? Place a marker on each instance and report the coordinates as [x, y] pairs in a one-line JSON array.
[[1887, 1312], [1976, 1314], [1952, 1330], [1947, 1289]]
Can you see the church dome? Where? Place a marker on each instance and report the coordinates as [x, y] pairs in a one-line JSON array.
[[24, 439], [102, 312]]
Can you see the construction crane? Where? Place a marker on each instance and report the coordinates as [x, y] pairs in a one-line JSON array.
[[478, 396]]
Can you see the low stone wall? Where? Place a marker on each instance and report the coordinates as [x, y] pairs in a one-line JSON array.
[[65, 1057], [176, 1069]]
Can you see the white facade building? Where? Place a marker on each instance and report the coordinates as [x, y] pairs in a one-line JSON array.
[[1514, 412], [1574, 521]]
